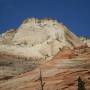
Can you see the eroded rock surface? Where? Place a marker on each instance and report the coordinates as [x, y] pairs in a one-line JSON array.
[[45, 44]]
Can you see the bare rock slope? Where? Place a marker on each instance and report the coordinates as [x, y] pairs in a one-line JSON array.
[[41, 38], [58, 74], [45, 44]]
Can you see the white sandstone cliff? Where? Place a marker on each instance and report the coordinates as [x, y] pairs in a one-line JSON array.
[[41, 38]]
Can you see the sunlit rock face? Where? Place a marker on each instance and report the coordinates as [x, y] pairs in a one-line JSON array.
[[85, 40], [36, 31], [42, 38], [24, 53], [6, 38]]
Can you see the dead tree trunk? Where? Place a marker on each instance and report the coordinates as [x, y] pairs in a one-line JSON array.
[[41, 81]]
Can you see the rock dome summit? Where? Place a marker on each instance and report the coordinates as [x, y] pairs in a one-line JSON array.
[[41, 38]]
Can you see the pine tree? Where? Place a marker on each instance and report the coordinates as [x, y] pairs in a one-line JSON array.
[[81, 84]]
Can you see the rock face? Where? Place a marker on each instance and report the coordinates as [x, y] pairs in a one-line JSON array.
[[6, 38], [23, 50], [86, 41], [58, 74], [36, 31], [43, 38]]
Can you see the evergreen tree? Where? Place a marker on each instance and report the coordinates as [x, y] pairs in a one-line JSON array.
[[81, 84]]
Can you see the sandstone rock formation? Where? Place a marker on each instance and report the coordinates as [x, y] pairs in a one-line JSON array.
[[6, 38], [41, 38], [58, 74], [43, 44], [85, 40]]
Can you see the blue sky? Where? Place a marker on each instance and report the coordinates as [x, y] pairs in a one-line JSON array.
[[75, 14]]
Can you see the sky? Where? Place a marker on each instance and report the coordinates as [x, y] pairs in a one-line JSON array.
[[75, 14]]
